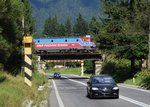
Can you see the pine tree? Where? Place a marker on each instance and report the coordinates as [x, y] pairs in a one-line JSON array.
[[29, 22], [61, 31], [51, 27], [81, 27], [93, 26], [68, 27]]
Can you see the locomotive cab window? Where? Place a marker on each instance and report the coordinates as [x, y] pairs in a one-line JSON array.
[[51, 40], [77, 40], [38, 41], [65, 40]]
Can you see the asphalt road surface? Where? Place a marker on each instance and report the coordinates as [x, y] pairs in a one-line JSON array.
[[70, 91]]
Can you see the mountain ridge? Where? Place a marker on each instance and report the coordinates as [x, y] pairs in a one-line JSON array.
[[63, 9]]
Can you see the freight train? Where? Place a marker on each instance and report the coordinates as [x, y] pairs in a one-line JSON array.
[[71, 44]]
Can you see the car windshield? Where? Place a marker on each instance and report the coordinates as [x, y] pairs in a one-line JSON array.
[[56, 73], [103, 80]]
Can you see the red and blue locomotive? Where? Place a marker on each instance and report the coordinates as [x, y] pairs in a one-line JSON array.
[[74, 44]]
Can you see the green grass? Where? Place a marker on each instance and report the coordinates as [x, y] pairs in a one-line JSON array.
[[140, 79], [133, 81], [75, 71], [13, 90]]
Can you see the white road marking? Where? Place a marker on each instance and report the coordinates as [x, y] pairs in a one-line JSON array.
[[78, 82], [64, 77], [134, 101], [120, 96], [139, 89], [60, 103]]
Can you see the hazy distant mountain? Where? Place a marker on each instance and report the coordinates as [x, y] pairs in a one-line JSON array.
[[63, 9]]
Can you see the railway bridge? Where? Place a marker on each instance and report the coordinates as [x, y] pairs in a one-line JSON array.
[[73, 57]]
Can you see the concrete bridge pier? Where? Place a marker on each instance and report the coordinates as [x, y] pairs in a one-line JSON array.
[[97, 67], [40, 65]]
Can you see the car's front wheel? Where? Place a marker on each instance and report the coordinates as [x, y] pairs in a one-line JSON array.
[[91, 95], [117, 97], [88, 95]]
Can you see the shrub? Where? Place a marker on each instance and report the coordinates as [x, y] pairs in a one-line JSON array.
[[1, 67], [118, 68], [144, 78]]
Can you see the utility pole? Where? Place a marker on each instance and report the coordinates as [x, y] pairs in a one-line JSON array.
[[23, 25], [148, 1], [23, 33], [149, 45]]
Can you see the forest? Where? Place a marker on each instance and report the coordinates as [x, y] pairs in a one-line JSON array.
[[63, 9]]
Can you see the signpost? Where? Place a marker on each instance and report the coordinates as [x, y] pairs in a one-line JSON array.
[[27, 39]]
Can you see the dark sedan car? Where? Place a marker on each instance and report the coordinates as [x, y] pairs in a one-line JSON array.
[[102, 86], [57, 75]]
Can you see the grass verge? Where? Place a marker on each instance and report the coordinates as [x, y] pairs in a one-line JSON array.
[[141, 79], [75, 71], [13, 90]]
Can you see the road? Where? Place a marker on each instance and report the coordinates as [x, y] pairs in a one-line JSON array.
[[71, 92]]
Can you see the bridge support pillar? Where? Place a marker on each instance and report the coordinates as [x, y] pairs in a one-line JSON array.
[[82, 68], [40, 65], [97, 67]]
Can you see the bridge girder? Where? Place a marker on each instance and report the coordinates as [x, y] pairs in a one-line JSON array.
[[70, 56]]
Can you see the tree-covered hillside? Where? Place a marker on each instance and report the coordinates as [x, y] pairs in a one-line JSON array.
[[63, 9]]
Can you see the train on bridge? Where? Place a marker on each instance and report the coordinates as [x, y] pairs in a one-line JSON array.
[[65, 45]]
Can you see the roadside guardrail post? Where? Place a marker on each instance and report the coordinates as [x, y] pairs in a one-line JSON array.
[[27, 39], [82, 67]]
